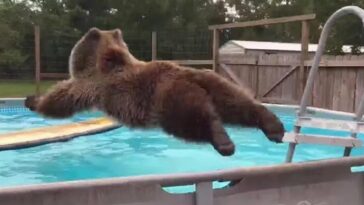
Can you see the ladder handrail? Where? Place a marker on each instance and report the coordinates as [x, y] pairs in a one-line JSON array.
[[313, 72], [320, 49]]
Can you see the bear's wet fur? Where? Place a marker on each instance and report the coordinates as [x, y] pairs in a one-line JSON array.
[[187, 103]]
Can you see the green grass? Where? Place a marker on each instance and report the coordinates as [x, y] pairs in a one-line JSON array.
[[21, 88]]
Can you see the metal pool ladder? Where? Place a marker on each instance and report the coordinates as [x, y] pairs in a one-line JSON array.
[[354, 127]]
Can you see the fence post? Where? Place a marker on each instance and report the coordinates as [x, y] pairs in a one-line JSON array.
[[256, 68], [304, 54], [154, 45], [215, 49], [37, 59]]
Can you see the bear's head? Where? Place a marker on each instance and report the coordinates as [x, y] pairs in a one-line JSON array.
[[98, 53]]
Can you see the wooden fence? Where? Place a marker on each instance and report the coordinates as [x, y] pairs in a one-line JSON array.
[[274, 78], [339, 84]]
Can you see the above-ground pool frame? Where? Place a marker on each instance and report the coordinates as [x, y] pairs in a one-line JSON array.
[[324, 182]]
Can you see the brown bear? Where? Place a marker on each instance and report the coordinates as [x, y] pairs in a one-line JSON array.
[[187, 103]]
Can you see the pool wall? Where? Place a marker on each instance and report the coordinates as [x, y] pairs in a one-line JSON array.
[[326, 182], [8, 103]]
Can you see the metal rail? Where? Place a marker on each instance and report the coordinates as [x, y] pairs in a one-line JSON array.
[[313, 72]]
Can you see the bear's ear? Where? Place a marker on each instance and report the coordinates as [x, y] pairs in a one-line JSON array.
[[93, 34], [113, 59], [118, 34]]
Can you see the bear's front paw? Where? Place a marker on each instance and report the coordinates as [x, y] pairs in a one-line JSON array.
[[274, 131], [225, 149], [31, 102]]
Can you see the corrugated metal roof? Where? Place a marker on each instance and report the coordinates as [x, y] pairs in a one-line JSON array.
[[277, 46]]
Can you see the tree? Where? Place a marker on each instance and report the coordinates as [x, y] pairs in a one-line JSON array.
[[181, 25], [13, 35], [259, 9]]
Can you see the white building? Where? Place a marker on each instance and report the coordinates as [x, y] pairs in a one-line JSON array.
[[265, 47]]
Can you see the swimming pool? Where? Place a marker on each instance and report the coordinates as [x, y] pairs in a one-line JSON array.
[[126, 152]]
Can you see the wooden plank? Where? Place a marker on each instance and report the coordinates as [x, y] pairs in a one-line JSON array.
[[296, 94], [274, 74], [243, 74], [337, 87], [257, 82], [348, 89], [262, 79], [251, 60], [289, 87], [305, 32], [272, 60], [321, 139], [318, 89], [253, 77], [289, 73], [215, 49], [346, 86], [351, 76], [329, 89], [359, 91], [191, 62], [275, 100], [54, 75], [338, 63], [323, 86], [231, 74], [154, 45], [238, 59], [37, 59], [263, 22]]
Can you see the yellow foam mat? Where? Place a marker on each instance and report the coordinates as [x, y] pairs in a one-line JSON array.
[[38, 136]]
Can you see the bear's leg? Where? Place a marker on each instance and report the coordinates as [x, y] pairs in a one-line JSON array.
[[268, 122], [65, 99], [236, 105], [253, 114], [187, 113]]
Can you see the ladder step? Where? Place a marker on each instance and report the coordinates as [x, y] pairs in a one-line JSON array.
[[321, 139], [340, 125]]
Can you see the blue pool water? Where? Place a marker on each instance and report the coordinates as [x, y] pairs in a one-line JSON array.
[[127, 152]]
